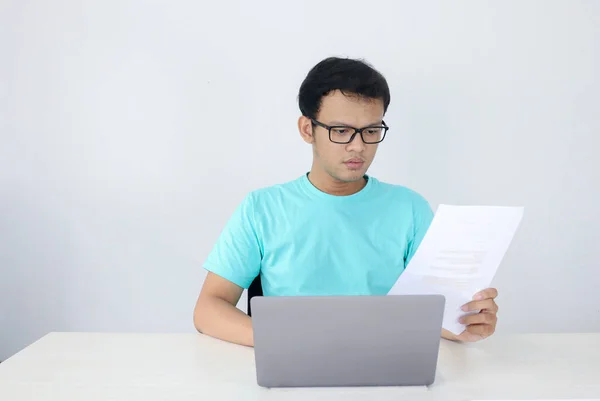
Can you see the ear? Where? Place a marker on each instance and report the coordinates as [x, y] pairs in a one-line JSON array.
[[306, 129]]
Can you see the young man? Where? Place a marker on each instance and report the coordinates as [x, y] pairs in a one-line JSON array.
[[333, 231]]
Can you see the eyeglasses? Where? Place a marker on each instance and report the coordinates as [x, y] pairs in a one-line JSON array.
[[344, 134]]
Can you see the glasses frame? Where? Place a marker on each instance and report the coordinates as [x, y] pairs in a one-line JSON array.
[[384, 126]]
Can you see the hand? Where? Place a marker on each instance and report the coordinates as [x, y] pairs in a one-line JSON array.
[[483, 324]]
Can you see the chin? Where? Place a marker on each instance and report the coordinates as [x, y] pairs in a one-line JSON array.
[[351, 176]]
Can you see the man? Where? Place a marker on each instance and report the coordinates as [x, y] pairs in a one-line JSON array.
[[333, 231]]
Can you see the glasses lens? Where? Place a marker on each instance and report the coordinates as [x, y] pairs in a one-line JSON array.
[[341, 134], [373, 134], [344, 134]]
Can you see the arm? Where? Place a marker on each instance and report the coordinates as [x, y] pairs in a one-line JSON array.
[[233, 263], [216, 313]]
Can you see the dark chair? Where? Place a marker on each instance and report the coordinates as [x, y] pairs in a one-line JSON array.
[[255, 290]]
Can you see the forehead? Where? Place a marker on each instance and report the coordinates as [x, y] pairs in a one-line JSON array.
[[350, 109]]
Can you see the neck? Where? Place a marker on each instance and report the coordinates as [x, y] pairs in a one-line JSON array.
[[326, 183]]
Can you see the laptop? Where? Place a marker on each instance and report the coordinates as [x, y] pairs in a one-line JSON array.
[[331, 341]]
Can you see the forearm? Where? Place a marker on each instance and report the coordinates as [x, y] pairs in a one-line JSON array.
[[218, 318]]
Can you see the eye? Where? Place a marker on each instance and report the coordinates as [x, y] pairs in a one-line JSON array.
[[373, 131], [340, 131]]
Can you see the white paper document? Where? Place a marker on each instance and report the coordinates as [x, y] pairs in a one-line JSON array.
[[459, 256]]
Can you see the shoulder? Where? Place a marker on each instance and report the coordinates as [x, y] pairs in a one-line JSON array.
[[410, 204], [285, 188], [403, 195], [273, 194]]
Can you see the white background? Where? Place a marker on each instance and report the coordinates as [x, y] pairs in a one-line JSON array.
[[130, 130]]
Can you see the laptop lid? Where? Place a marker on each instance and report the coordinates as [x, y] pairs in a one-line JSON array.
[[347, 340]]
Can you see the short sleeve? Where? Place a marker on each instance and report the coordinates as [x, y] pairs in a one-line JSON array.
[[237, 255], [422, 218]]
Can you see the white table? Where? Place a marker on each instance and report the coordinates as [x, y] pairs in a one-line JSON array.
[[92, 366]]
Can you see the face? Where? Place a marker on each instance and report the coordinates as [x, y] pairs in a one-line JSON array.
[[343, 163]]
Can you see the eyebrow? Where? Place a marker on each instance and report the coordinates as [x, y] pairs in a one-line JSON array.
[[380, 122]]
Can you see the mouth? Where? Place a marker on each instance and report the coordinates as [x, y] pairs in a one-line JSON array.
[[354, 164]]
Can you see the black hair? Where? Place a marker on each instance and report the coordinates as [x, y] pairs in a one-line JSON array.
[[350, 76]]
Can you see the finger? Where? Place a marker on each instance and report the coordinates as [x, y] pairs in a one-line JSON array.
[[479, 318], [485, 294], [483, 330], [487, 305]]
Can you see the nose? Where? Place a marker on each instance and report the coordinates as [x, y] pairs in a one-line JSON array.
[[357, 144]]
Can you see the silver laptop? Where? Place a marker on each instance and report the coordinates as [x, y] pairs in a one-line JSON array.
[[347, 340]]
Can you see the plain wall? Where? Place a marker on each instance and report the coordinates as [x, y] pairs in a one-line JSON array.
[[130, 131]]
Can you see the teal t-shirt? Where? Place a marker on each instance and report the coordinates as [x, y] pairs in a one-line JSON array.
[[303, 241]]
